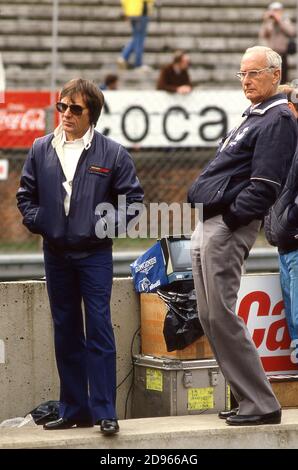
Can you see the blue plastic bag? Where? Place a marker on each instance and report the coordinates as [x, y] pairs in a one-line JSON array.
[[149, 270]]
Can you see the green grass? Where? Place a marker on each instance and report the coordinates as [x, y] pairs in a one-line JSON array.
[[30, 246], [129, 244], [120, 244]]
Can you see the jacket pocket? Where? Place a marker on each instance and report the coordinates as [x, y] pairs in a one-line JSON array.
[[209, 190], [32, 220], [282, 234]]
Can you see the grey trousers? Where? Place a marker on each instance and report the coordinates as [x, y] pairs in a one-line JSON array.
[[217, 260]]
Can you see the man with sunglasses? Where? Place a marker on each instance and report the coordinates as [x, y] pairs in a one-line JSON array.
[[66, 175], [236, 189]]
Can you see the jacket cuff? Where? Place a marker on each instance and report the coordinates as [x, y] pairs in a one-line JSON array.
[[231, 221]]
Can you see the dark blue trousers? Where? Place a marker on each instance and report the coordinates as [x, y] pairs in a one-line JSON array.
[[86, 356]]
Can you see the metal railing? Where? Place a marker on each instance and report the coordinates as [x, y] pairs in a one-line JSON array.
[[30, 266]]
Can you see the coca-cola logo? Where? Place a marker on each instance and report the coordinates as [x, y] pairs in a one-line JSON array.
[[263, 313], [276, 335], [23, 120]]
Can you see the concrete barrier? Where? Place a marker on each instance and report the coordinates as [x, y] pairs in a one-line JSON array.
[[28, 374]]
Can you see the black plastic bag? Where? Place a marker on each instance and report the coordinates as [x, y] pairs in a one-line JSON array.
[[182, 325], [45, 412]]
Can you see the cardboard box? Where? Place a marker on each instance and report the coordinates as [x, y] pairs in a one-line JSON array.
[[153, 312], [169, 387], [286, 390]]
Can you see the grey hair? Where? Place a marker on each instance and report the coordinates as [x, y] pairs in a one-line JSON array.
[[273, 58]]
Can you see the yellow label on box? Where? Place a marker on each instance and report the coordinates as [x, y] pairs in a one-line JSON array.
[[200, 398], [154, 379]]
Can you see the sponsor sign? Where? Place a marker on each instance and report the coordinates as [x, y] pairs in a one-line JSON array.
[[23, 117], [161, 119], [261, 307], [133, 118]]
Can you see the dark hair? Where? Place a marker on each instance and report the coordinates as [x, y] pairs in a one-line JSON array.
[[178, 56], [92, 96], [111, 78]]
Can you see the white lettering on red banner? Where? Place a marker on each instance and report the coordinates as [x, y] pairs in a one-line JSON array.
[[28, 120], [261, 307]]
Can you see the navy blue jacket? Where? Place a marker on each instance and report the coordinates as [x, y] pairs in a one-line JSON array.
[[281, 224], [249, 169], [104, 171]]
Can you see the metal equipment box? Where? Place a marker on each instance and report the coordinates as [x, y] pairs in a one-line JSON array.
[[170, 387]]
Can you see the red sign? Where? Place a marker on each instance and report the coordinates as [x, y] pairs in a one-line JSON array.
[[23, 117], [261, 307]]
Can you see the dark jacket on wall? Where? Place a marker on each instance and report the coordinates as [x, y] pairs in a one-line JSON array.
[[281, 224], [104, 171], [250, 167]]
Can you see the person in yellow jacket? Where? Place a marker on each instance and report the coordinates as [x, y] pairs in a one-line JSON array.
[[138, 12]]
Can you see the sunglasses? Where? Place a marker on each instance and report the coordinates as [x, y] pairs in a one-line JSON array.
[[75, 109]]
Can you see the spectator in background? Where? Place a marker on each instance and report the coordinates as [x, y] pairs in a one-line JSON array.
[[283, 233], [111, 82], [174, 77], [292, 95], [276, 31], [138, 13]]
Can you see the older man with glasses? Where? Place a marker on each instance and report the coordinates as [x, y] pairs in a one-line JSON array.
[[237, 188], [66, 176]]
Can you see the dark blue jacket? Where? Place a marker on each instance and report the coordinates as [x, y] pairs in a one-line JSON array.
[[281, 224], [104, 171], [247, 173]]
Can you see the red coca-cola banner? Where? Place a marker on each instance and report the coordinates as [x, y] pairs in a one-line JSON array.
[[23, 118]]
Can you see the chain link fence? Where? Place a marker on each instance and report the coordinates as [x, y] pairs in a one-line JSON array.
[[164, 133], [14, 237], [170, 137], [165, 175], [43, 48]]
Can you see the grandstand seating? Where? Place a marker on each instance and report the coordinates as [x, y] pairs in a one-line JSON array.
[[92, 33]]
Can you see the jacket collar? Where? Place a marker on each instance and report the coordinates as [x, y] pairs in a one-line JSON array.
[[262, 108], [59, 137]]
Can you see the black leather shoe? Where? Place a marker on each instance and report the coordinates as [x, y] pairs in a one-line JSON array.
[[63, 423], [109, 426], [254, 420], [228, 413]]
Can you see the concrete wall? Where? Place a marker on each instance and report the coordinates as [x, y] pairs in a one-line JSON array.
[[28, 374]]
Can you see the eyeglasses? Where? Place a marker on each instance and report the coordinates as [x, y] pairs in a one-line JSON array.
[[252, 73], [75, 109]]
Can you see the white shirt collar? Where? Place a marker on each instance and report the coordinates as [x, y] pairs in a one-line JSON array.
[[60, 137], [85, 140]]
